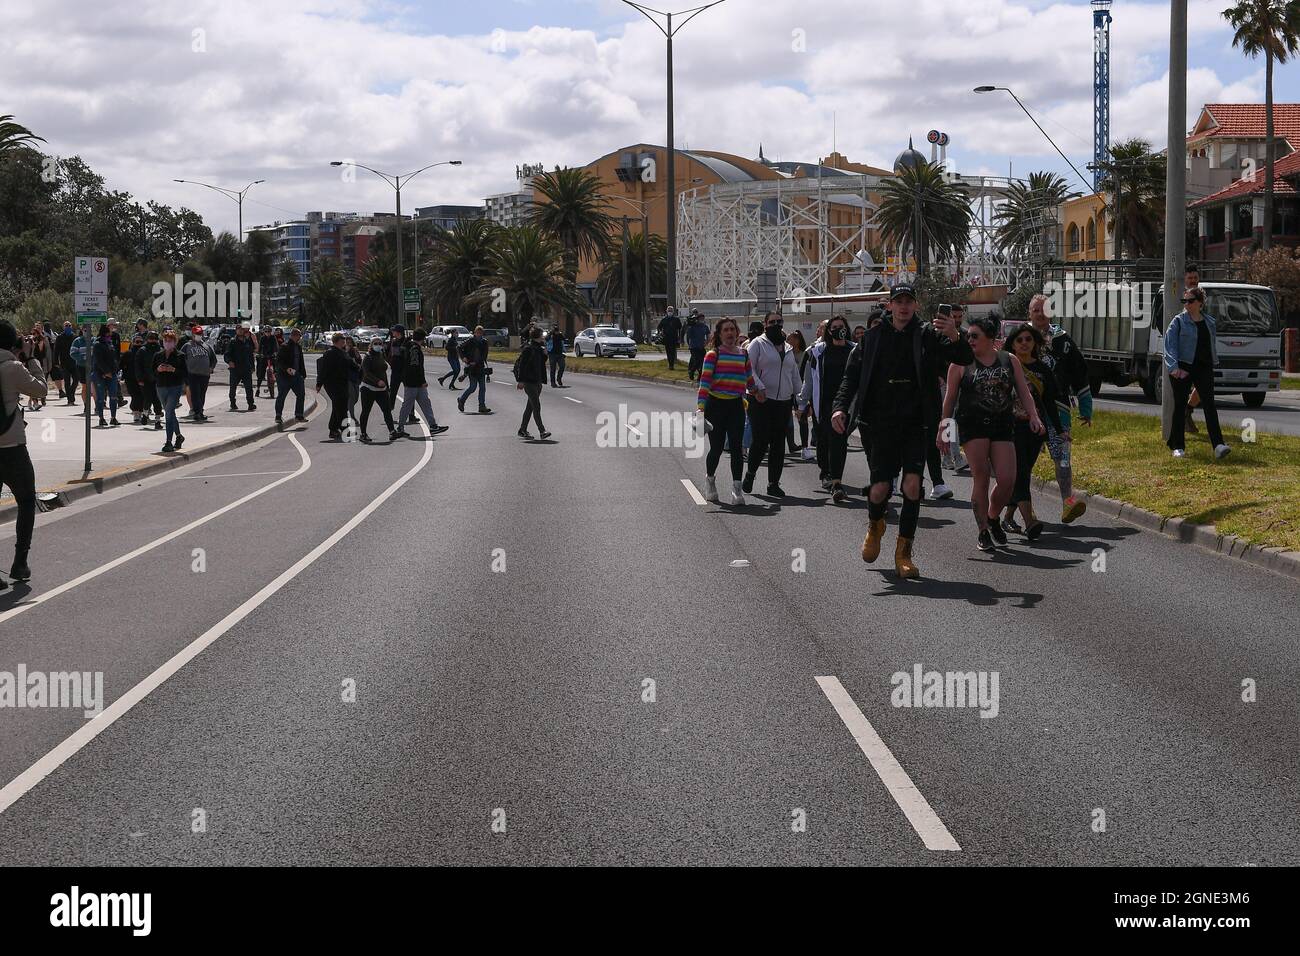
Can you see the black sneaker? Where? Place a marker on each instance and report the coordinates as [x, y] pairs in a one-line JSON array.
[[525, 433], [1034, 530], [234, 407], [986, 541], [279, 420], [439, 429], [113, 423], [168, 447], [998, 534], [747, 483], [20, 571], [180, 440], [365, 439], [774, 491], [460, 404], [544, 435], [252, 407], [300, 418], [157, 425], [394, 435], [485, 410], [839, 494]]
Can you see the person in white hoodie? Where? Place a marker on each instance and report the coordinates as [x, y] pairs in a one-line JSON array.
[[20, 374], [776, 386]]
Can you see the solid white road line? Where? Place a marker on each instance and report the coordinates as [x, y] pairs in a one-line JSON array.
[[924, 820], [633, 430], [247, 474], [15, 789], [574, 400], [694, 492], [144, 549]]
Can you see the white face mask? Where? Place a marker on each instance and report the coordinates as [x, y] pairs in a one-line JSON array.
[[376, 347]]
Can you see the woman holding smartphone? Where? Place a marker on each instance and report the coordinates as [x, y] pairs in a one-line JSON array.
[[983, 394], [1028, 345], [169, 378]]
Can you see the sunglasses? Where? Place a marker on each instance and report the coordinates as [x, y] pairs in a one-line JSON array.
[[1191, 299]]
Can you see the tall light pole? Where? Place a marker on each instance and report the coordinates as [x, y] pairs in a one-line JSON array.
[[1175, 184], [669, 31], [990, 89], [236, 194], [644, 213], [396, 183]]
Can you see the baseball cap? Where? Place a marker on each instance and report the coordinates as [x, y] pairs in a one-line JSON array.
[[902, 288], [197, 329]]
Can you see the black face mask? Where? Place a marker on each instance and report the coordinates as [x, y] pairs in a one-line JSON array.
[[839, 333], [775, 334]]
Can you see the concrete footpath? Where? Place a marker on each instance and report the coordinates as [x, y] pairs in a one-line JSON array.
[[56, 441]]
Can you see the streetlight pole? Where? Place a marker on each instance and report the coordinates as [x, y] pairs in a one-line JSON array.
[[396, 182], [644, 215], [236, 194], [1175, 186], [669, 31], [990, 89]]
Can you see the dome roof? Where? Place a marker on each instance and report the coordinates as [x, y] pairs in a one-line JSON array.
[[909, 158]]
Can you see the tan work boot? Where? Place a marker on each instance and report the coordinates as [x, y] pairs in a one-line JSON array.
[[903, 563], [871, 543]]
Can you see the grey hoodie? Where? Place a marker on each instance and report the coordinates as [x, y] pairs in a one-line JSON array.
[[17, 379], [200, 358]]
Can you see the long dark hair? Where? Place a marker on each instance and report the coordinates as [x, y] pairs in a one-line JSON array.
[[796, 334], [715, 339], [1040, 343]]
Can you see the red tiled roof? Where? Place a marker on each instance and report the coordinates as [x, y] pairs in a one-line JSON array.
[[1286, 166], [1246, 121]]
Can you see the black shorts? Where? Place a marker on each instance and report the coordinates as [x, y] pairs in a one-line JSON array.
[[992, 427], [896, 448]]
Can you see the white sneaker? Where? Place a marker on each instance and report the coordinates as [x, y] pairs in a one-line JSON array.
[[941, 492], [809, 454], [1179, 453], [1221, 451], [737, 495], [711, 489]]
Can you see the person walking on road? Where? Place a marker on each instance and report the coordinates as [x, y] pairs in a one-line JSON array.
[[241, 357], [332, 372], [475, 355], [266, 349], [670, 328], [555, 356], [827, 361], [131, 383], [43, 353], [1070, 369], [291, 376], [415, 387], [530, 376], [887, 386], [984, 394], [799, 352], [18, 379], [697, 340], [169, 382], [453, 360], [146, 381], [395, 354], [776, 383], [106, 368], [374, 388], [1027, 344], [200, 360], [1191, 356], [725, 378], [63, 361]]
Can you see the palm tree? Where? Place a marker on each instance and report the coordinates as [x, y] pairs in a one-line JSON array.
[[286, 276], [572, 210], [1271, 27], [456, 262], [372, 293], [322, 296], [13, 135], [526, 275], [921, 194], [1135, 179], [1026, 220], [609, 285]]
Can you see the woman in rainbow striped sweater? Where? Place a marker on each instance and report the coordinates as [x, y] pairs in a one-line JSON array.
[[724, 381]]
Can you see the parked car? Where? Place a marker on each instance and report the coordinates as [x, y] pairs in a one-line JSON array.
[[438, 335], [603, 341], [497, 338], [218, 336]]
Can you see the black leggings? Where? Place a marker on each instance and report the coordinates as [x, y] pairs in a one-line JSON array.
[[832, 448], [727, 418], [1201, 376], [16, 471], [369, 398], [1028, 447]]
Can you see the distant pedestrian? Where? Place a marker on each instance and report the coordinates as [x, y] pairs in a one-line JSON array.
[[826, 363], [395, 354], [200, 359], [332, 371], [131, 383], [374, 388], [1070, 369], [555, 356], [799, 351], [670, 328], [725, 377], [530, 376], [146, 381], [241, 358], [169, 382], [415, 387], [776, 384], [474, 353], [453, 360], [16, 472], [1028, 345], [291, 376], [63, 361], [697, 340], [106, 359], [266, 349], [1191, 356]]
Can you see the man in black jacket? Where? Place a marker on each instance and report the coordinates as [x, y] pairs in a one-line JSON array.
[[671, 329], [146, 379], [240, 356], [530, 376], [291, 375], [267, 346], [889, 385], [332, 375], [415, 387], [63, 359], [474, 352], [107, 358]]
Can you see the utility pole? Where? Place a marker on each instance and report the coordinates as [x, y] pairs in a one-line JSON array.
[[1175, 185], [627, 299]]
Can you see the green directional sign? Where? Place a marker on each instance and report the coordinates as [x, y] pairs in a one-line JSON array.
[[412, 299]]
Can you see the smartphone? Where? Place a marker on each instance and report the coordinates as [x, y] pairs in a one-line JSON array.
[[946, 311]]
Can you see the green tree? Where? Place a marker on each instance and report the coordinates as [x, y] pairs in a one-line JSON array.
[[14, 136], [1270, 27], [1026, 222], [225, 257], [609, 285], [527, 275], [572, 209], [45, 306], [286, 278], [921, 193], [1134, 178], [322, 296], [371, 294], [456, 263]]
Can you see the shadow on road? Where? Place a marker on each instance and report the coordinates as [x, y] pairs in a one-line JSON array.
[[980, 595]]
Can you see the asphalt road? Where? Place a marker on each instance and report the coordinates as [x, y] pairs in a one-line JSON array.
[[519, 696], [1280, 412]]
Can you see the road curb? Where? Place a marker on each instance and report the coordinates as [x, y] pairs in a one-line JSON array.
[[147, 468], [1206, 536]]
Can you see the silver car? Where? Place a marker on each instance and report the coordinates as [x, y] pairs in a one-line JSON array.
[[438, 335], [603, 341]]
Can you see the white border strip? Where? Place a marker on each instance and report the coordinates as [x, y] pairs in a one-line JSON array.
[[694, 492]]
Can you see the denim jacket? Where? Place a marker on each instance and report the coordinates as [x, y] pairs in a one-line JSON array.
[[1180, 341]]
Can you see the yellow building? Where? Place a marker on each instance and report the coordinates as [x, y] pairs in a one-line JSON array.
[[1083, 229]]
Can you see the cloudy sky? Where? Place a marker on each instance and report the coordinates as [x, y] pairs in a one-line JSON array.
[[229, 91]]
